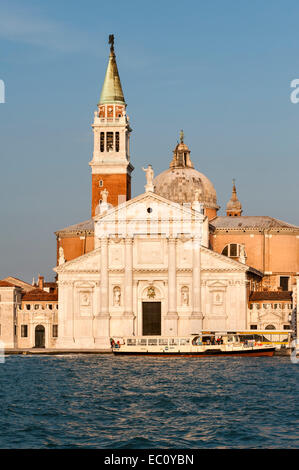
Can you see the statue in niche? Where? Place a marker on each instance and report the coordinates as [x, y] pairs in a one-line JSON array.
[[85, 299], [116, 296], [185, 296], [61, 259]]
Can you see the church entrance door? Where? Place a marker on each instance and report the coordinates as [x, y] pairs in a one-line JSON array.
[[40, 336], [151, 318]]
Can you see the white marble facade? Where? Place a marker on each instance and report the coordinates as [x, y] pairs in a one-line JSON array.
[[149, 249]]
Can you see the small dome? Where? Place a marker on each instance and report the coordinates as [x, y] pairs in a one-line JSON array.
[[233, 205]]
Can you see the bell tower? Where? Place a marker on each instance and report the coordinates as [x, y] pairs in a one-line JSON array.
[[234, 207], [110, 165]]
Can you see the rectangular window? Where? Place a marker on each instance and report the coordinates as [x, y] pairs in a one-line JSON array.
[[55, 331], [117, 141], [141, 342], [15, 330], [163, 342], [253, 327], [102, 141], [284, 283], [286, 327], [109, 141], [24, 331], [152, 342]]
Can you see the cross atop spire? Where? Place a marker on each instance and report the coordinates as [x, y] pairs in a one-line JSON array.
[[111, 42], [182, 136]]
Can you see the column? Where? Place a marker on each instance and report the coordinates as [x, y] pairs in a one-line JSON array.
[[104, 277], [196, 317], [128, 327], [103, 320], [171, 319]]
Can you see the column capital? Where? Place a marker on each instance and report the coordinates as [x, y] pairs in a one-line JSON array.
[[129, 240], [104, 240]]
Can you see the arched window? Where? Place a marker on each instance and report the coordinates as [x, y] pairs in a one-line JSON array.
[[233, 250], [270, 327]]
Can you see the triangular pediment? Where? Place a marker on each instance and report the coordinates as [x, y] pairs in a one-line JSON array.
[[85, 263], [211, 260], [136, 206], [149, 214], [268, 315]]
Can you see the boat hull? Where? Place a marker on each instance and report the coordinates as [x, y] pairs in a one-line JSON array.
[[209, 353]]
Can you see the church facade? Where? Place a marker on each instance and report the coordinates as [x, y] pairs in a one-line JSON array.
[[151, 273]]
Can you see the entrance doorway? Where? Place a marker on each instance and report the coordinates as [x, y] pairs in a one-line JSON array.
[[40, 336], [151, 318]]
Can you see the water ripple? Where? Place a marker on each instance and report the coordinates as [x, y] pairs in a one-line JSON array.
[[108, 402]]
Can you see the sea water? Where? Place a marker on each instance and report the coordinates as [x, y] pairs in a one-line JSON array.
[[103, 401]]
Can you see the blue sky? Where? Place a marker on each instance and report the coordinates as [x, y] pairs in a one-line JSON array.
[[220, 70]]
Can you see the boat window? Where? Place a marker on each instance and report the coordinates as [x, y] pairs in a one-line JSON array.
[[208, 339], [163, 342], [141, 342], [152, 342], [131, 342], [283, 338], [173, 342], [184, 341]]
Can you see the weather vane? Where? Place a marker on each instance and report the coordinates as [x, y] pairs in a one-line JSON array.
[[111, 42]]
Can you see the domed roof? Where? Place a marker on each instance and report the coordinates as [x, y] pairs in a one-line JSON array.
[[179, 185], [181, 180]]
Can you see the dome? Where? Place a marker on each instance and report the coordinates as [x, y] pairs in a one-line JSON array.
[[179, 185], [181, 180], [233, 205]]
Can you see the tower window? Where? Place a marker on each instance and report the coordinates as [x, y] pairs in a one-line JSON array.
[[117, 141], [101, 183], [109, 141], [102, 141]]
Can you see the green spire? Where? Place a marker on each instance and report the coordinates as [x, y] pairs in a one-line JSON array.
[[112, 90]]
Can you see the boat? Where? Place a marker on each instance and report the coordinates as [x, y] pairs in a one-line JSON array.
[[196, 345]]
